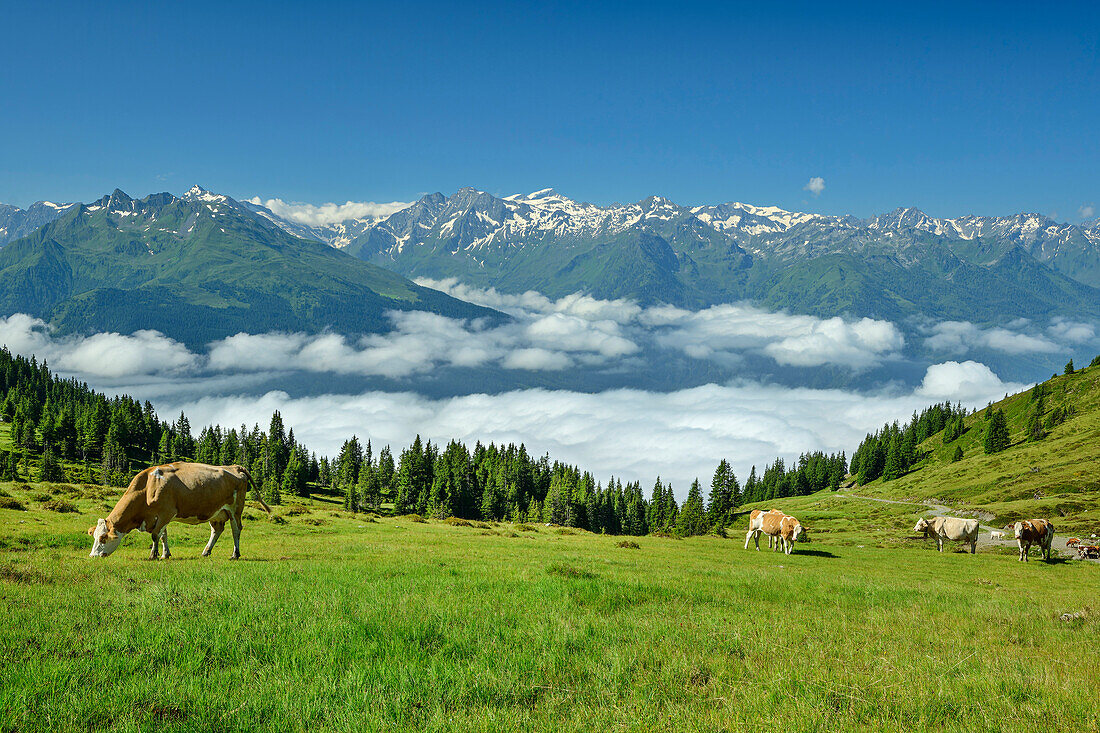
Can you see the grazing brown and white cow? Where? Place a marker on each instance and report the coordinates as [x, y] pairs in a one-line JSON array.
[[191, 493], [1030, 532], [756, 525], [786, 530], [955, 529]]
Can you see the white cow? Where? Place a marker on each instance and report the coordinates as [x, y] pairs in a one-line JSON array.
[[955, 529], [996, 535]]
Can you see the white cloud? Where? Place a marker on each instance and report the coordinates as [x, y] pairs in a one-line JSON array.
[[1087, 211], [420, 342], [958, 337], [815, 185], [110, 355], [313, 215], [718, 333], [578, 304], [791, 340], [970, 382], [1071, 331], [633, 434]]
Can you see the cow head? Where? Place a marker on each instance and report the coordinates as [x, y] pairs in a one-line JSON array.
[[923, 525], [800, 534], [105, 538], [1018, 529]]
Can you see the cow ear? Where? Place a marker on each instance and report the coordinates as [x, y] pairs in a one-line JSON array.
[[91, 530]]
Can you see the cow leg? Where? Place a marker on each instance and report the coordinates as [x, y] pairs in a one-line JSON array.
[[165, 553], [973, 547], [216, 529], [235, 525], [154, 548], [748, 538]]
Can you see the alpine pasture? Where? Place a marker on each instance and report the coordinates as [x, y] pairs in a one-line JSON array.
[[335, 621]]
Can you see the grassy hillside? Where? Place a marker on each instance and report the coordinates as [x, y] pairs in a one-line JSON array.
[[1057, 477], [336, 622]]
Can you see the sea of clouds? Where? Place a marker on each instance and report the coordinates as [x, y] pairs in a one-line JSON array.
[[631, 433]]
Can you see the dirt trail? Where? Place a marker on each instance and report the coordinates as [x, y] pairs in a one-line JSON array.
[[984, 540]]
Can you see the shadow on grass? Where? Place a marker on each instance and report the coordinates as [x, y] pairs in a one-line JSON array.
[[814, 553]]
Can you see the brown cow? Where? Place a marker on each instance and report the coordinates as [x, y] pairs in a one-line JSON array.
[[786, 530], [756, 519], [191, 493], [1030, 532]]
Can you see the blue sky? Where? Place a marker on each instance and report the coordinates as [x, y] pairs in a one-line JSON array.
[[951, 107]]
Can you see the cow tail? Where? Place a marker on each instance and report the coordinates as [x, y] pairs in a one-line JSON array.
[[256, 488]]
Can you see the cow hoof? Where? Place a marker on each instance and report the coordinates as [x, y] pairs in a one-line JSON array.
[[206, 553], [234, 557]]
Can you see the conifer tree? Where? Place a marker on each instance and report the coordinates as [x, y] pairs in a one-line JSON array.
[[1035, 429], [692, 519], [368, 490], [958, 454], [996, 437], [722, 495], [294, 477], [50, 468], [386, 471], [272, 491]]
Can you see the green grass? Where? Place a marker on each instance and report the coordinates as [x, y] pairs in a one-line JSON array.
[[334, 622]]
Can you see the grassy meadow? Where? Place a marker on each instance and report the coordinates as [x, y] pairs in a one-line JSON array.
[[340, 622]]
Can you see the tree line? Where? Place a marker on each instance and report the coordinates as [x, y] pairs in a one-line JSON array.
[[62, 430]]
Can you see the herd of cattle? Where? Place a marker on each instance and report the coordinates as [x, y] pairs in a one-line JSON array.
[[194, 493], [784, 530]]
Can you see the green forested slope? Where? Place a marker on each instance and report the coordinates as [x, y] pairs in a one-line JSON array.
[[1054, 473], [198, 271]]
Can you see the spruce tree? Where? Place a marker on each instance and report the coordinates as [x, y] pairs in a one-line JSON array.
[[369, 494], [722, 495], [958, 454], [1069, 367], [1035, 429], [893, 467], [386, 470], [294, 477], [272, 491], [997, 437], [692, 520]]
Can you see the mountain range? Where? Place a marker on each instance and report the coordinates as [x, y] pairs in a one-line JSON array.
[[204, 265], [197, 268], [894, 266]]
